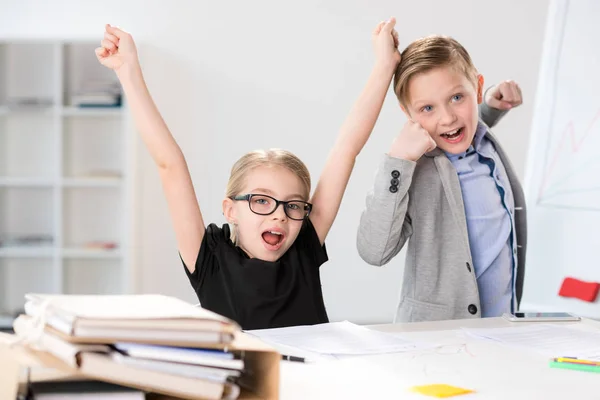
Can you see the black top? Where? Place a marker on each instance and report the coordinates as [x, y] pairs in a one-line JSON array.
[[261, 294]]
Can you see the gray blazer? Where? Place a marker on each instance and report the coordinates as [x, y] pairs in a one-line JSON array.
[[426, 209]]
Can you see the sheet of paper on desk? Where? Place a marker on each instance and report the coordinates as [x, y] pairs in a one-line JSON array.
[[338, 338], [551, 340]]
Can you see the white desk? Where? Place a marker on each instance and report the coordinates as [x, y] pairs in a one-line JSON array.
[[493, 370]]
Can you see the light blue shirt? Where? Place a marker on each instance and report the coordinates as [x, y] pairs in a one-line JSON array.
[[489, 209]]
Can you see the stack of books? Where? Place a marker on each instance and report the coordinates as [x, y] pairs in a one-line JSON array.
[[153, 343]]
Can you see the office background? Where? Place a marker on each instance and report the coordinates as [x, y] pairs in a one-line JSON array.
[[230, 77]]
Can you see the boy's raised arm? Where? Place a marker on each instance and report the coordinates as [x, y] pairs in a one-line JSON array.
[[498, 100]]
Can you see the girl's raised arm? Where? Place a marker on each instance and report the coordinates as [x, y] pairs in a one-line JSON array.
[[118, 52]]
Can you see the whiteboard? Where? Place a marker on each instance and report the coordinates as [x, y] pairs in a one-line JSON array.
[[562, 182]]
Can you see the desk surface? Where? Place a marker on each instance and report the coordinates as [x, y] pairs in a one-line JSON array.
[[492, 370]]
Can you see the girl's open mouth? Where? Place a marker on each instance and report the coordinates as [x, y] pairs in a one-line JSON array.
[[273, 240]]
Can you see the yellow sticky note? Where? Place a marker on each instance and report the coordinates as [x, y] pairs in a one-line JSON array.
[[440, 390]]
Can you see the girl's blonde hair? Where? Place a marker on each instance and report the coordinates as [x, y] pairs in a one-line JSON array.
[[265, 158]]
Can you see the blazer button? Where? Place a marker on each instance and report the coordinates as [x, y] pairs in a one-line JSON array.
[[468, 266], [395, 173], [394, 182], [393, 189], [472, 309]]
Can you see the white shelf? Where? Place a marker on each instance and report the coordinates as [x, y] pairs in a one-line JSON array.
[[47, 252], [26, 252], [64, 173], [26, 182], [91, 111], [92, 182], [91, 253], [24, 110], [67, 111]]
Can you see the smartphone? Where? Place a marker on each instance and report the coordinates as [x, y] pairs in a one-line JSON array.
[[541, 316]]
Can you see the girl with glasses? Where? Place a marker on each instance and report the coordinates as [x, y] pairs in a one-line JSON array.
[[262, 268]]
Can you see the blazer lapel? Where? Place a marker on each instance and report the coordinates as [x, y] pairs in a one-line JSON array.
[[453, 193]]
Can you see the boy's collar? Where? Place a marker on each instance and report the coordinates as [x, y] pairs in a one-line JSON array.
[[479, 134]]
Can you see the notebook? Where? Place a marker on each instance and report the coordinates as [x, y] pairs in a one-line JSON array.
[[186, 370], [103, 367], [212, 358], [143, 318]]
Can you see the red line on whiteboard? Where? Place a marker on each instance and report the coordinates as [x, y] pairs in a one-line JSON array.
[[569, 132]]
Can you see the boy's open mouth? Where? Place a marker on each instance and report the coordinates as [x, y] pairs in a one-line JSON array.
[[453, 136]]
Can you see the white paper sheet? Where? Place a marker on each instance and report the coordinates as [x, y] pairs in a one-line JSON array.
[[550, 340], [338, 338]]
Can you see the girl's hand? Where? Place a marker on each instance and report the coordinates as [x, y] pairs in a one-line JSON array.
[[117, 49], [385, 43]]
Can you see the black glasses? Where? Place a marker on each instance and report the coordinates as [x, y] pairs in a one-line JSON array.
[[262, 204]]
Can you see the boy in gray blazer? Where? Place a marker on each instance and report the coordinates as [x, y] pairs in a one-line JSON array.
[[447, 187]]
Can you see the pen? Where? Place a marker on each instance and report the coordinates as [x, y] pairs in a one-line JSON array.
[[292, 358]]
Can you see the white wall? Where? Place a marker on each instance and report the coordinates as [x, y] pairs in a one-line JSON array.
[[237, 75]]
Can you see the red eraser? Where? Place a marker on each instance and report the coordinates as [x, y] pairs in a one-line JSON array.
[[586, 291]]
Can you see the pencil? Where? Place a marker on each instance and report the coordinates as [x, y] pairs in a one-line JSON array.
[[576, 361]]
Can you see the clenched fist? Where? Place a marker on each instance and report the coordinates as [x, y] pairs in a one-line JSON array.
[[504, 96], [117, 49], [412, 142]]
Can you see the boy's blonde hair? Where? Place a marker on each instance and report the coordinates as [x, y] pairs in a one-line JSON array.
[[426, 54], [265, 158]]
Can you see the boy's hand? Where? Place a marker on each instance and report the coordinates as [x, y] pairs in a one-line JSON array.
[[504, 96], [118, 49], [385, 43], [412, 142]]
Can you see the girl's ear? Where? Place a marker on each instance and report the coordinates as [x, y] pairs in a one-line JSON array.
[[229, 211]]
